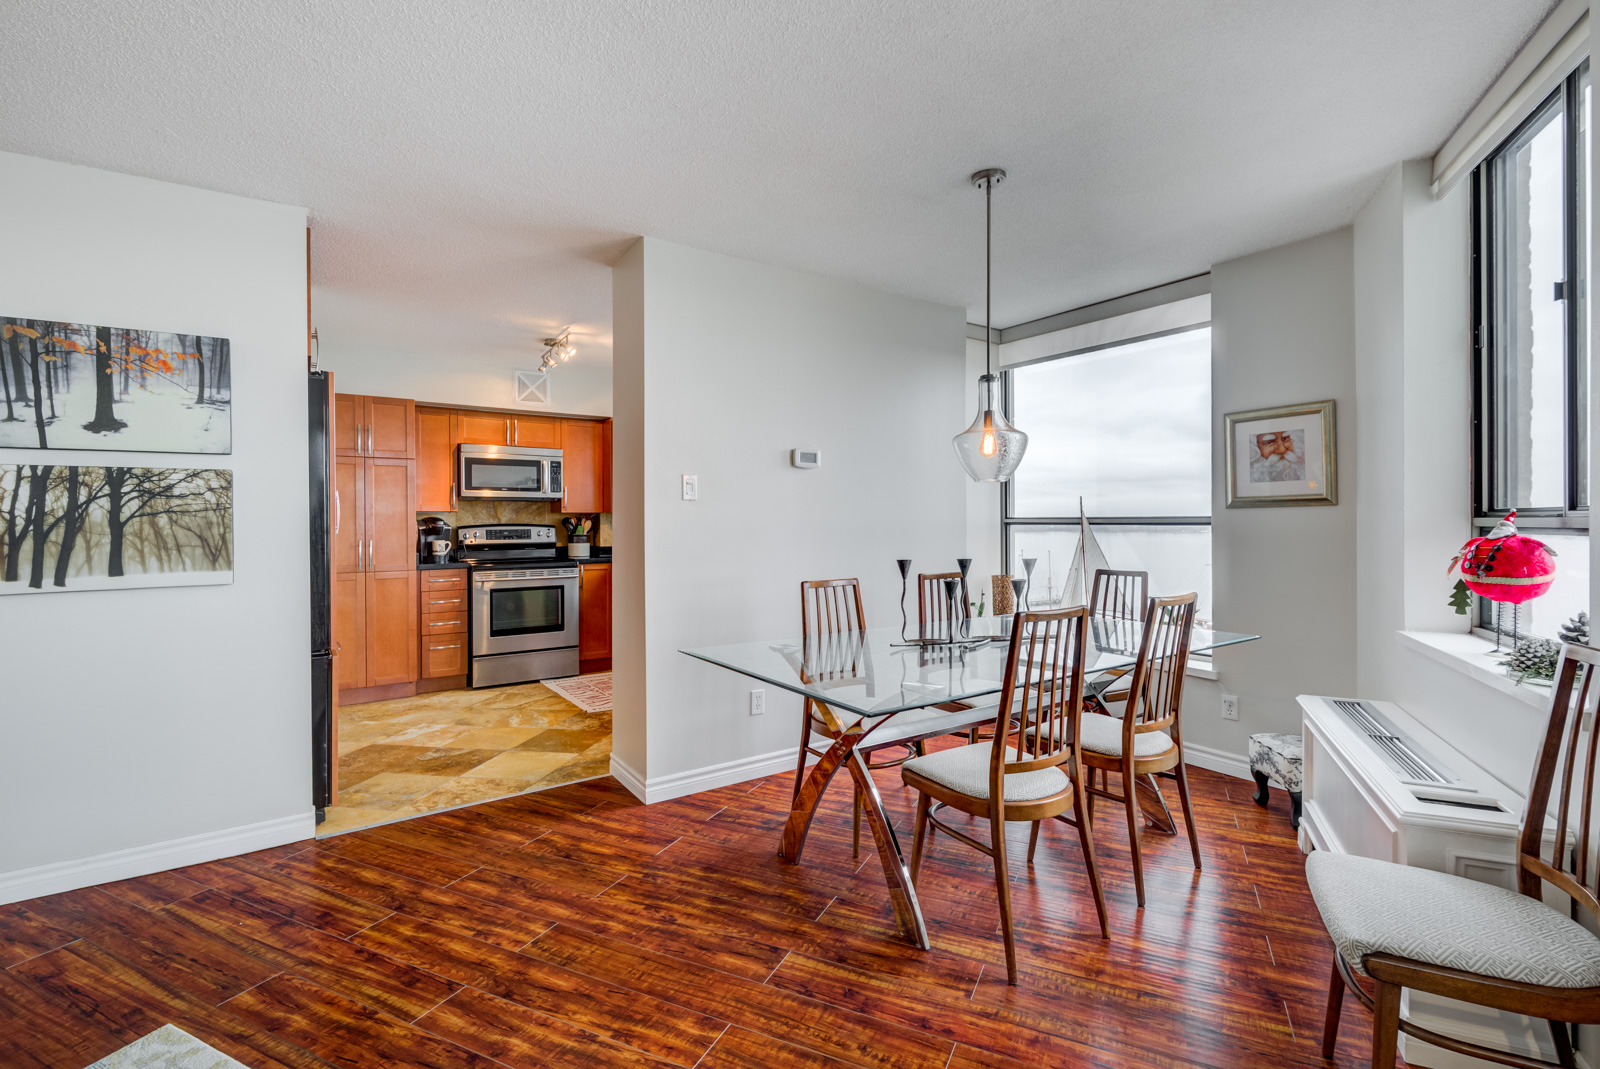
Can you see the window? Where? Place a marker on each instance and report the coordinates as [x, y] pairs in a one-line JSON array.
[[1532, 248], [1128, 429]]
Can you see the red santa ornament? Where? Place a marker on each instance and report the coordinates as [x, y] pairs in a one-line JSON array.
[[1505, 566]]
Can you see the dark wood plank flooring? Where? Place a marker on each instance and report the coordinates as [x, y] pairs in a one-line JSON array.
[[576, 927]]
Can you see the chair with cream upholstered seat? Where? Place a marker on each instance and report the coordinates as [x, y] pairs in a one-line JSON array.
[[1475, 942], [1027, 773]]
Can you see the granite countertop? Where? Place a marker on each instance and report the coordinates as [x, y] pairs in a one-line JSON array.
[[434, 567]]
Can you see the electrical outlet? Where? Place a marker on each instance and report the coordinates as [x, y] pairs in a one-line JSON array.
[[758, 702], [1230, 707], [691, 487]]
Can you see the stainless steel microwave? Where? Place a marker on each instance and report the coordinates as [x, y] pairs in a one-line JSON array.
[[510, 473]]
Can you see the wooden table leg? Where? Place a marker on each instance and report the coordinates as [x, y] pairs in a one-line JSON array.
[[843, 752]]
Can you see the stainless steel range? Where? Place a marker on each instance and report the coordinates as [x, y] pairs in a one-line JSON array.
[[522, 604]]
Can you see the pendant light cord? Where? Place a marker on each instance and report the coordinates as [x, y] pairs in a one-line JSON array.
[[988, 270]]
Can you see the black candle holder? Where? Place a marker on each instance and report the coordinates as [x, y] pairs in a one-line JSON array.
[[905, 573]]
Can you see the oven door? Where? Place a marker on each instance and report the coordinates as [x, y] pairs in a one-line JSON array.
[[537, 611], [484, 475]]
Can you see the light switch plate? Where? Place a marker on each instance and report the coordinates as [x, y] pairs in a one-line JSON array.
[[691, 487]]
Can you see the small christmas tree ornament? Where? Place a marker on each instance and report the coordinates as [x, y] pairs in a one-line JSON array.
[[1534, 658], [1461, 598], [1505, 567], [1575, 630]]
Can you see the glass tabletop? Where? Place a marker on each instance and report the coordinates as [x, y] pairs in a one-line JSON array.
[[872, 673]]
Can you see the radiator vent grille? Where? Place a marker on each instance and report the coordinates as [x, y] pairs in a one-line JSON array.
[[1409, 761]]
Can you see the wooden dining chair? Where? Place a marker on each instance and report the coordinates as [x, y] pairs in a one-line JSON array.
[[830, 608], [1029, 773], [1119, 594], [1438, 932], [1147, 739], [933, 608]]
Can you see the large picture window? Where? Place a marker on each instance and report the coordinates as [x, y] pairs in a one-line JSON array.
[[1532, 250], [1128, 429]]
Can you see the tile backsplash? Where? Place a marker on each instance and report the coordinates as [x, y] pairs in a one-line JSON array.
[[476, 512]]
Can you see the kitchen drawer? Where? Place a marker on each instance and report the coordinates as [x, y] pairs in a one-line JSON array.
[[443, 623], [437, 601], [453, 579], [444, 655]]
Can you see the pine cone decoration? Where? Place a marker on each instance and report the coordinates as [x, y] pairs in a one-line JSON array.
[[1534, 658], [1575, 629]]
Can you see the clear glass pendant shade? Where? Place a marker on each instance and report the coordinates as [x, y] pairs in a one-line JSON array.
[[991, 448]]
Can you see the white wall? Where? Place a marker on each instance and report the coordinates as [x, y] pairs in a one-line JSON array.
[[1282, 333], [133, 718], [387, 352], [731, 364]]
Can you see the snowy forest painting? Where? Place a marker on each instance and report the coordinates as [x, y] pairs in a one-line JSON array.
[[76, 386], [69, 527]]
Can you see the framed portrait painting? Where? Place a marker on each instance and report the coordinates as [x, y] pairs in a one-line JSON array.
[[1281, 456]]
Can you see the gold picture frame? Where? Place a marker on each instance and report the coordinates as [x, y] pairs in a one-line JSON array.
[[1288, 455]]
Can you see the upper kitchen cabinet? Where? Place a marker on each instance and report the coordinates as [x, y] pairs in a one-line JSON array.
[[374, 426], [482, 428], [582, 447], [436, 470], [536, 432]]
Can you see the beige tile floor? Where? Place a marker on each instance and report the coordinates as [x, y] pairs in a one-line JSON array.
[[410, 756]]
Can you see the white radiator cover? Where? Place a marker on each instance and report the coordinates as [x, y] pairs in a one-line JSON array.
[[1354, 803]]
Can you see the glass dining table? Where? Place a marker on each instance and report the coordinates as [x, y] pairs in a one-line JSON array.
[[861, 680]]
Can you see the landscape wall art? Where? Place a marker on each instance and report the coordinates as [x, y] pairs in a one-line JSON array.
[[77, 386], [72, 527]]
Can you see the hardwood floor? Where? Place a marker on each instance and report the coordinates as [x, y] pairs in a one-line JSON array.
[[576, 927]]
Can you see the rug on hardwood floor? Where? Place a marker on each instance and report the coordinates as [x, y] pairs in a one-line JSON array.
[[168, 1047], [592, 693]]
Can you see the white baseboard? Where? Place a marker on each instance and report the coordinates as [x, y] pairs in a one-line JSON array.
[[1229, 764], [58, 876], [663, 788]]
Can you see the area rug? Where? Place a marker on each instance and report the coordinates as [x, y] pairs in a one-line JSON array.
[[592, 694], [168, 1047]]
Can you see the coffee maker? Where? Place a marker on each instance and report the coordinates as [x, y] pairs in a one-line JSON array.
[[433, 540]]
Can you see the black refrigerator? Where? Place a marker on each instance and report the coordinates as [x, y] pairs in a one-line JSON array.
[[320, 424]]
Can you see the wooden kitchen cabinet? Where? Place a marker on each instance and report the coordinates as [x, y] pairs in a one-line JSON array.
[[443, 645], [374, 426], [594, 616], [374, 547], [536, 432], [581, 449], [482, 428], [436, 455], [605, 466]]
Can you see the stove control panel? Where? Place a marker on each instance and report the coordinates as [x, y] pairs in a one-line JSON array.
[[502, 534]]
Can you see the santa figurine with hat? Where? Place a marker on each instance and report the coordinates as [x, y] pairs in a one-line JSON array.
[[1506, 567]]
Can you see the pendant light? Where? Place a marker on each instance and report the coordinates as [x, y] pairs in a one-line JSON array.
[[991, 448]]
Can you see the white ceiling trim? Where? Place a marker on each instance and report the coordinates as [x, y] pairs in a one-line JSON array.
[[1555, 50]]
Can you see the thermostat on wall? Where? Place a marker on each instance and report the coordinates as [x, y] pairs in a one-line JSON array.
[[805, 458]]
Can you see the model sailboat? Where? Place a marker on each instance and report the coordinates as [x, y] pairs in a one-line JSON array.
[[1085, 562]]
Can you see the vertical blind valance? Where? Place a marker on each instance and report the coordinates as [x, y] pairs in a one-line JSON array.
[[1554, 51]]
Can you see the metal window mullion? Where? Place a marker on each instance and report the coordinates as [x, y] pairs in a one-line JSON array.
[[1570, 242]]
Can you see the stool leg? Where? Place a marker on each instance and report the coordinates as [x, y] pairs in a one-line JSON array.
[[1294, 810], [1261, 795]]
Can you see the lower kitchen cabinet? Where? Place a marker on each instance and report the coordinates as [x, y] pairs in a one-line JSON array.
[[377, 628], [442, 609], [594, 616]]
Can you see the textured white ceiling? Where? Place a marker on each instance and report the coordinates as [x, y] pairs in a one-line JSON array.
[[472, 167]]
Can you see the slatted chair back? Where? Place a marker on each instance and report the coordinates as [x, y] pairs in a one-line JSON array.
[[830, 607], [1119, 594], [933, 608], [1155, 692], [1566, 758], [1043, 686]]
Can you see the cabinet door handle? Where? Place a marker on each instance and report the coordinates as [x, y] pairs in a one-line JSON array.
[[452, 646], [443, 623], [338, 513], [449, 579], [370, 562], [516, 432], [359, 566], [444, 601]]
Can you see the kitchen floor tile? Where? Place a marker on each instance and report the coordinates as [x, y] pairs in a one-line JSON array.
[[564, 741], [422, 760], [390, 790], [519, 764], [496, 738]]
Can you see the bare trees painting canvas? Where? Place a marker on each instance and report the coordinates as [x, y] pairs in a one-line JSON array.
[[77, 386], [71, 527]]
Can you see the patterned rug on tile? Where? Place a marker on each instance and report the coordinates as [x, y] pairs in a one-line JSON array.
[[168, 1047], [408, 756], [592, 694]]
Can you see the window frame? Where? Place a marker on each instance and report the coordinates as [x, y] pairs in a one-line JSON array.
[[1487, 508], [1008, 521]]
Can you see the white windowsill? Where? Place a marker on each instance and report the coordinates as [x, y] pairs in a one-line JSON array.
[[1202, 670], [1474, 657]]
